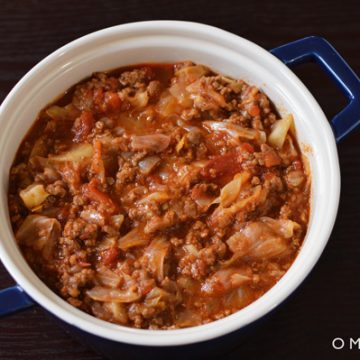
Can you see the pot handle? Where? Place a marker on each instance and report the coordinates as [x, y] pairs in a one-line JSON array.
[[13, 299], [317, 48]]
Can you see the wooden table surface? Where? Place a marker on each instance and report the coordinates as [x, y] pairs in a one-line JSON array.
[[327, 305]]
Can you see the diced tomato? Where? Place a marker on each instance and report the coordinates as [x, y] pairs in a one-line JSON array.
[[297, 165], [84, 264], [112, 101], [254, 110], [223, 166], [98, 97], [109, 256], [93, 193], [83, 126], [97, 165], [247, 147], [271, 158]]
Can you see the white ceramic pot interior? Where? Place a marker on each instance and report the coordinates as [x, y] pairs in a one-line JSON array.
[[169, 41]]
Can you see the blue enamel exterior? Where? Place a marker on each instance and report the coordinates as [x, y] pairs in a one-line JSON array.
[[13, 299], [311, 48], [315, 48]]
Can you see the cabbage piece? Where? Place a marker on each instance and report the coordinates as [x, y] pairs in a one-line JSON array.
[[107, 277], [182, 96], [236, 131], [279, 131], [204, 95], [157, 298], [59, 113], [40, 233], [156, 253], [187, 318], [77, 154], [168, 105], [33, 196], [189, 74], [231, 190], [118, 312], [225, 280], [134, 237], [223, 216], [154, 142], [284, 227], [101, 293], [39, 148], [262, 239]]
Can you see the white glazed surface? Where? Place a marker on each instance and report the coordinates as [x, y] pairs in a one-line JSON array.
[[169, 41]]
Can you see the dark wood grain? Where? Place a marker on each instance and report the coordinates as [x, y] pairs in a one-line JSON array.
[[327, 304]]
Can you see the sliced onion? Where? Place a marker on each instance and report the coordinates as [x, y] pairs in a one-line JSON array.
[[147, 164], [101, 293]]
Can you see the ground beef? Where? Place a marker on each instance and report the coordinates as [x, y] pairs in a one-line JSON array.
[[160, 196]]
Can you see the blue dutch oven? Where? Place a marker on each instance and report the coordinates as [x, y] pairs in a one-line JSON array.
[[170, 41]]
